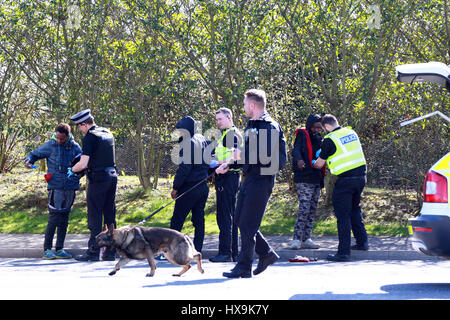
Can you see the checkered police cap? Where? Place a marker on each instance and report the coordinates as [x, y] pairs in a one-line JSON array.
[[81, 116]]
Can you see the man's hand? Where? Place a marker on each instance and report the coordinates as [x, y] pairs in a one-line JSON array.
[[236, 154], [301, 164], [319, 163], [222, 169], [174, 194], [28, 165]]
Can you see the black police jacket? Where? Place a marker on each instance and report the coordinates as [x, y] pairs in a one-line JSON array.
[[264, 151]]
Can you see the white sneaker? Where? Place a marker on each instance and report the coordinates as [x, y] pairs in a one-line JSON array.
[[295, 245], [309, 244]]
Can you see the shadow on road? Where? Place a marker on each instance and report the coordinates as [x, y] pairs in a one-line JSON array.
[[403, 291], [189, 282]]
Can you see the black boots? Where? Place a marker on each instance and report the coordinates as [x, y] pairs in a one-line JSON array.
[[240, 272], [266, 261], [93, 255]]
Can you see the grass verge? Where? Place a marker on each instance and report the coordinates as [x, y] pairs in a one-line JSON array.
[[23, 208]]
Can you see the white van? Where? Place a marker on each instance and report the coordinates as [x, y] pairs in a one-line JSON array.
[[430, 230]]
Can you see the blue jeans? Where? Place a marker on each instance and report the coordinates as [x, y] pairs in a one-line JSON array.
[[59, 206]]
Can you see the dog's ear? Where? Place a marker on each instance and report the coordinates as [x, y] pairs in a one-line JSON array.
[[111, 228]]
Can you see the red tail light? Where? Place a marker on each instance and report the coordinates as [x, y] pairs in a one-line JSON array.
[[435, 188]]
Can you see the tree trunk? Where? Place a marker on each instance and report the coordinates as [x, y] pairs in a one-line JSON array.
[[158, 167], [142, 172]]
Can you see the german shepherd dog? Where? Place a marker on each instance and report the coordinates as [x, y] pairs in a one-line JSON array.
[[135, 242]]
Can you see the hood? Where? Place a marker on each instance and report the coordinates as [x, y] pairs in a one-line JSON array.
[[313, 118], [187, 123]]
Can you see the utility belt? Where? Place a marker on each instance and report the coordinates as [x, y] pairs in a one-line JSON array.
[[352, 177], [230, 172], [101, 169], [96, 175]]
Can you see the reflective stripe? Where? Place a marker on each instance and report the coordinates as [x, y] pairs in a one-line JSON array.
[[349, 154], [344, 155], [222, 152], [347, 164]]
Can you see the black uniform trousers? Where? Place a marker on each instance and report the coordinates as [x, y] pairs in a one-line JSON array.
[[101, 201], [195, 201], [254, 194], [346, 199], [227, 186]]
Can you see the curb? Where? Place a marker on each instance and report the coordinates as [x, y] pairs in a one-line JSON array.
[[380, 248], [285, 254]]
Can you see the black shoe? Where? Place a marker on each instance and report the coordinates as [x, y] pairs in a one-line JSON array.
[[238, 272], [364, 247], [88, 256], [109, 255], [221, 258], [338, 257], [266, 261]]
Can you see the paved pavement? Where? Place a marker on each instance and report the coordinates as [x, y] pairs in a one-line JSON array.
[[380, 248]]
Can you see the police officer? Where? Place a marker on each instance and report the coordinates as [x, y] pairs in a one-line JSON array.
[[98, 156], [226, 187], [342, 151], [264, 154]]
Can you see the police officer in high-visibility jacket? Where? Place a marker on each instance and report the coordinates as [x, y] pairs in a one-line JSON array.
[[227, 186], [342, 151]]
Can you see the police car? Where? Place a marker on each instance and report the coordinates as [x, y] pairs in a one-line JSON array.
[[430, 231]]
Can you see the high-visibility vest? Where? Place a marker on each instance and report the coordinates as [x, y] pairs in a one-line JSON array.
[[221, 151], [349, 154]]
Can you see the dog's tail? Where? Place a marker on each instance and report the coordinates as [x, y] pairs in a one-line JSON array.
[[191, 245], [197, 256]]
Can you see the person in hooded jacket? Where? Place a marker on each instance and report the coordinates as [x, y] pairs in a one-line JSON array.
[[60, 151], [308, 180], [191, 170]]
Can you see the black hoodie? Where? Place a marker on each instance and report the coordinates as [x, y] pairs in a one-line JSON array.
[[192, 168]]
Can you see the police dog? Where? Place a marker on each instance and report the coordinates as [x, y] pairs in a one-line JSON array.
[[135, 242]]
